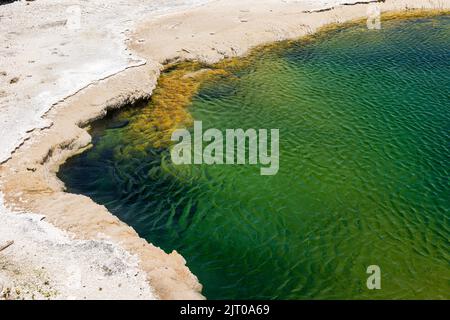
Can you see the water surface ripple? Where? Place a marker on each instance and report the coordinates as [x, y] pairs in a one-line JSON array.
[[364, 119]]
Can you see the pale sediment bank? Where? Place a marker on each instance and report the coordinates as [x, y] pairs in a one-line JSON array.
[[209, 33], [52, 49], [44, 262]]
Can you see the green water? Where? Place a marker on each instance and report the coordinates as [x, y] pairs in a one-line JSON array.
[[364, 119]]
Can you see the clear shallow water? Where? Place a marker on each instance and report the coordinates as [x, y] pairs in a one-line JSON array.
[[364, 119]]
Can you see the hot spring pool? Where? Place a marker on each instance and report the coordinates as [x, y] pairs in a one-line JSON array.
[[364, 120]]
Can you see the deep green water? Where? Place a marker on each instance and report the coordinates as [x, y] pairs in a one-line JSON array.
[[364, 119]]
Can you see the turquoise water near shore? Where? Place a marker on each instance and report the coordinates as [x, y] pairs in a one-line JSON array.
[[364, 120]]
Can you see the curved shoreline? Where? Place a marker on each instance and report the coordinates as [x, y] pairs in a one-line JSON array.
[[29, 180]]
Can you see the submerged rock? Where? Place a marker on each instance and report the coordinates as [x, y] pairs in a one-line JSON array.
[[118, 124]]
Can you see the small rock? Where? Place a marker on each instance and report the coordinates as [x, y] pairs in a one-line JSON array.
[[3, 73], [14, 80]]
